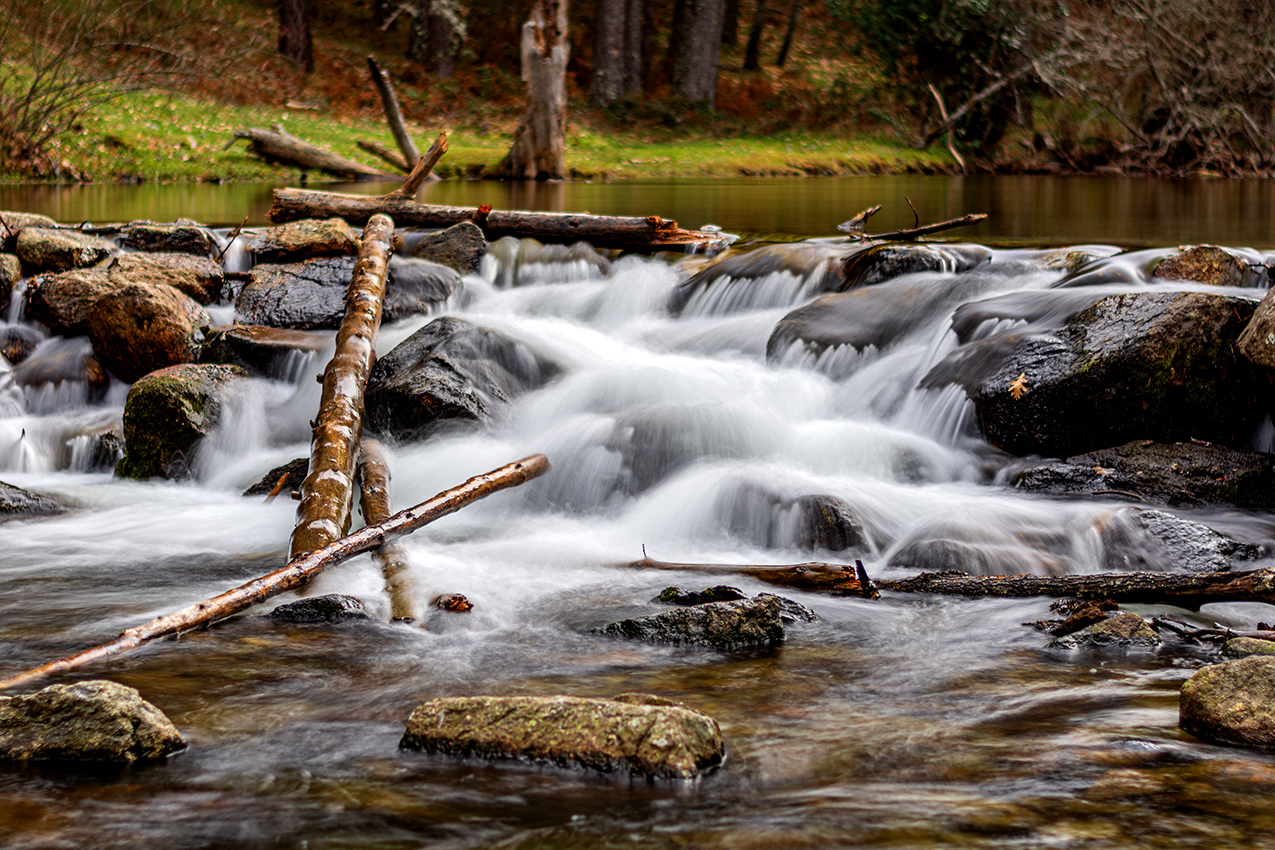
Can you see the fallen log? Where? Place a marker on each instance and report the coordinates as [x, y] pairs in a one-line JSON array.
[[382, 152], [420, 171], [278, 146], [393, 115], [327, 491], [855, 226], [816, 576], [299, 571], [374, 486]]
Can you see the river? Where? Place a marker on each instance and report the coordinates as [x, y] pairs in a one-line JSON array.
[[900, 722]]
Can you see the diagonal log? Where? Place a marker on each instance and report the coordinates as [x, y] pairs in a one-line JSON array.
[[374, 500], [299, 571], [393, 115], [283, 147]]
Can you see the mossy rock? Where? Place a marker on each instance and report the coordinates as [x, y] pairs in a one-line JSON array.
[[1125, 629], [743, 624], [1242, 647], [1232, 702], [1204, 264]]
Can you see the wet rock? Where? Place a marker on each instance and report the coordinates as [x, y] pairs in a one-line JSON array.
[[62, 302], [166, 415], [48, 250], [1081, 616], [305, 240], [720, 625], [10, 274], [448, 370], [332, 608], [18, 341], [1152, 365], [138, 328], [16, 502], [1232, 702], [1144, 540], [295, 470], [1072, 259], [11, 223], [1204, 264], [416, 287], [1124, 629], [944, 543], [456, 603], [1242, 647], [883, 262], [1174, 474], [460, 247], [521, 262], [265, 351], [764, 277], [58, 362], [790, 610], [106, 449], [765, 518], [87, 721], [827, 523], [167, 238], [719, 593], [644, 738], [198, 277], [1257, 341]]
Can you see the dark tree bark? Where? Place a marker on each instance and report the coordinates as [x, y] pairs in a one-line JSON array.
[[639, 24], [294, 33], [698, 46], [752, 53], [730, 23], [441, 60], [418, 32], [793, 15], [609, 54], [539, 148]]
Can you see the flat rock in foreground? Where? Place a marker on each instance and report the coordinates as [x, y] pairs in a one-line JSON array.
[[640, 734], [1232, 702]]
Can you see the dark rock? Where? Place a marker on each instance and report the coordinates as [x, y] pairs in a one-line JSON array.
[[1039, 310], [304, 240], [139, 328], [460, 247], [521, 262], [296, 471], [1145, 540], [416, 287], [1124, 629], [269, 352], [167, 238], [58, 361], [47, 250], [1204, 264], [1257, 342], [106, 450], [14, 502], [62, 302], [1082, 617], [11, 224], [1232, 702], [1157, 365], [167, 413], [765, 518], [790, 610], [10, 274], [883, 262], [1173, 474], [448, 370], [87, 721], [720, 625], [648, 738], [719, 593], [18, 341], [769, 276], [827, 523], [332, 608], [198, 277], [1243, 647], [980, 549]]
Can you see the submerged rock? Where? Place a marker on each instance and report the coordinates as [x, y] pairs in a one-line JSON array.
[[642, 736], [1144, 540], [460, 247], [1232, 702], [295, 470], [718, 593], [304, 240], [16, 502], [17, 342], [268, 352], [883, 262], [766, 518], [769, 276], [60, 363], [721, 625], [139, 328], [1123, 629], [790, 610], [332, 608], [1204, 264], [166, 415], [62, 302], [49, 250], [87, 721], [198, 277], [1243, 647], [175, 238], [520, 262]]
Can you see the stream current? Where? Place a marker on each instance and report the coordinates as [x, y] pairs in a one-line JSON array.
[[901, 722]]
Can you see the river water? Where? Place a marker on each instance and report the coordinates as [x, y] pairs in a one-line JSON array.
[[901, 722]]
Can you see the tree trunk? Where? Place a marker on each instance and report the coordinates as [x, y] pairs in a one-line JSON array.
[[699, 49], [638, 25], [324, 512], [283, 147], [393, 115], [793, 15], [374, 502], [418, 32], [538, 151], [442, 30], [294, 33], [752, 53], [609, 52], [730, 23]]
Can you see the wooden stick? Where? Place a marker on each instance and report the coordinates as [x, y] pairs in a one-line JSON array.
[[374, 485], [946, 122], [856, 224], [277, 146], [420, 171], [904, 235], [393, 115], [278, 488], [817, 576], [380, 151], [327, 491], [299, 571]]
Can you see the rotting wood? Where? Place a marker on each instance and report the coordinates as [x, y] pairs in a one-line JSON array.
[[299, 571], [393, 115], [421, 170], [392, 157], [279, 146], [327, 491], [374, 500], [814, 576]]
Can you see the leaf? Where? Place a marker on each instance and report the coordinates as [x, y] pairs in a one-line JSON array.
[[1018, 386]]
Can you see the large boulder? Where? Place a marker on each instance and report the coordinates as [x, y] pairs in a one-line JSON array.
[[1204, 264], [1257, 341], [177, 238], [268, 352], [139, 328], [304, 240], [166, 415], [198, 277], [62, 302], [16, 502], [741, 624], [460, 247], [1232, 702], [49, 250], [87, 721], [1152, 365], [11, 224], [448, 370], [1144, 540], [635, 733]]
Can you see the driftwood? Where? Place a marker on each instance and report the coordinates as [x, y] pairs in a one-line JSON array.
[[420, 171], [815, 576], [374, 487], [327, 491], [393, 115], [278, 146], [299, 571], [855, 226], [381, 152]]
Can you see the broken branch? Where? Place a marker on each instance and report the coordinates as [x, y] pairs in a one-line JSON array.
[[393, 115], [374, 484]]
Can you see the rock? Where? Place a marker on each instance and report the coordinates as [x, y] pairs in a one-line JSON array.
[[520, 262], [57, 363], [16, 502], [720, 625], [137, 329], [296, 470], [1151, 365], [332, 608], [946, 543], [10, 274], [790, 610], [1123, 629], [826, 523], [18, 341], [643, 739], [167, 238], [1174, 474], [769, 276], [305, 240], [416, 287], [62, 302], [1242, 647], [1204, 264], [105, 450], [719, 593], [11, 223], [1257, 341], [87, 721], [1145, 540], [448, 370], [47, 250], [1231, 703], [198, 277], [883, 262], [763, 517], [166, 415], [264, 351], [460, 247]]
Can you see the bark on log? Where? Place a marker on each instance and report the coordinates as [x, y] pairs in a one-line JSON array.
[[283, 147], [815, 576], [381, 152], [421, 170], [393, 115], [374, 486], [626, 233], [925, 229], [299, 571], [326, 493]]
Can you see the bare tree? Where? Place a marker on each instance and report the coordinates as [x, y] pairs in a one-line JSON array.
[[436, 31], [295, 43], [752, 52], [696, 49], [539, 146], [621, 36]]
